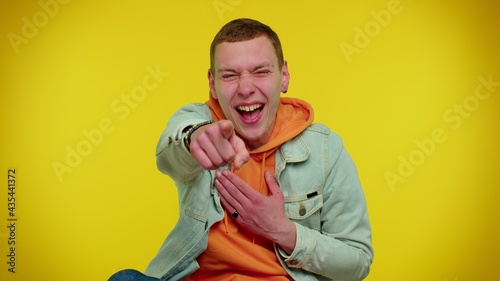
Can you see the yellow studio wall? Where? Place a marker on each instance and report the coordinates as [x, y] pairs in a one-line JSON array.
[[87, 87]]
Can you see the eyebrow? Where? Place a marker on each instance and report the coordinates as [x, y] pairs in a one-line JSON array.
[[262, 65]]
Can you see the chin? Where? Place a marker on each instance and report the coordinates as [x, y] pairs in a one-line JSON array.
[[252, 141]]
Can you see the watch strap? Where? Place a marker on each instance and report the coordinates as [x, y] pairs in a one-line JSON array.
[[190, 130]]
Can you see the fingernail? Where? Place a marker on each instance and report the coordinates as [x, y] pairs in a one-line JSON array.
[[225, 172], [217, 173]]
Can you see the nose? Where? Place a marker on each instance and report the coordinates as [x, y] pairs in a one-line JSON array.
[[246, 86]]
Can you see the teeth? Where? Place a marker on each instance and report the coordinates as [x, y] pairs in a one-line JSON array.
[[249, 108]]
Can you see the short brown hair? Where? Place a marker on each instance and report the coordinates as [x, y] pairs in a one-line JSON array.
[[245, 29]]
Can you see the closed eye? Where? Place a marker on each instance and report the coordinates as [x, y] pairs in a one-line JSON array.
[[228, 76], [262, 72]]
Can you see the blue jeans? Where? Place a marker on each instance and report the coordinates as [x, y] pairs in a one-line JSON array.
[[131, 275]]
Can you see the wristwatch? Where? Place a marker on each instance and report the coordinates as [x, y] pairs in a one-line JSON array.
[[190, 130]]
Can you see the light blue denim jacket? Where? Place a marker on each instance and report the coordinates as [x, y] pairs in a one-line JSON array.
[[314, 172]]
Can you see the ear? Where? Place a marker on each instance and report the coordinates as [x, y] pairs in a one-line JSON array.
[[211, 84], [285, 79]]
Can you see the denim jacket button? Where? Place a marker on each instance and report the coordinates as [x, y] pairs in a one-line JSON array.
[[302, 210]]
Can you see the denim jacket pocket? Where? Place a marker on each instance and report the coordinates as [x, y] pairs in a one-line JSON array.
[[305, 209]]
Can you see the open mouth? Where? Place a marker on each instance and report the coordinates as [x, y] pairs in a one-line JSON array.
[[250, 112]]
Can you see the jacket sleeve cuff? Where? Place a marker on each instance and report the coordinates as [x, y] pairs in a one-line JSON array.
[[304, 248]]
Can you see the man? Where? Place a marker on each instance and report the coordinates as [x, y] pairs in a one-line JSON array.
[[264, 193]]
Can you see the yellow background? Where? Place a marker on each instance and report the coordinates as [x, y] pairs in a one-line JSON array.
[[113, 210]]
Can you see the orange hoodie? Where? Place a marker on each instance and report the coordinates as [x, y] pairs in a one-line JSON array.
[[234, 253]]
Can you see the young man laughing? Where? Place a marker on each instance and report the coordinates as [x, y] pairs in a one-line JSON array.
[[265, 193]]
